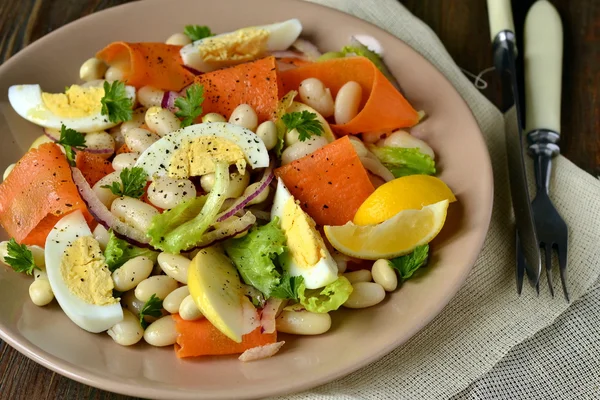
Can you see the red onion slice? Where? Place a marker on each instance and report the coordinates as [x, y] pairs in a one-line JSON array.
[[269, 313], [242, 201], [289, 54], [374, 166], [308, 49], [168, 101]]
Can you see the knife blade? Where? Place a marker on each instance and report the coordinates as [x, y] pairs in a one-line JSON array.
[[505, 52]]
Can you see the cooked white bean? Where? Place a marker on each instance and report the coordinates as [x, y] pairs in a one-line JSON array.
[[160, 285], [38, 256], [39, 274], [130, 274], [385, 275], [179, 39], [347, 102], [341, 260], [188, 310], [262, 196], [40, 292], [133, 212], [292, 137], [314, 94], [132, 303], [128, 331], [244, 116], [93, 83], [104, 194], [137, 120], [404, 139], [175, 265], [149, 96], [213, 117], [165, 192], [138, 139], [124, 160], [172, 302], [362, 275], [301, 149], [161, 332], [101, 235], [161, 121], [114, 74], [3, 251], [40, 141], [7, 171], [100, 141], [237, 184], [303, 322], [92, 69], [359, 146], [117, 136], [267, 132], [365, 294]]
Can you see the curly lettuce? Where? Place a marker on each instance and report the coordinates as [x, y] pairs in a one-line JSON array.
[[326, 299], [119, 251], [404, 161]]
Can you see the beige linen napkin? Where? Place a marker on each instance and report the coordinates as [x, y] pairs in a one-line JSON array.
[[486, 318]]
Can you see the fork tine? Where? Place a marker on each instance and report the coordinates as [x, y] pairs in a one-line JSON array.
[[548, 251], [520, 265], [562, 265]]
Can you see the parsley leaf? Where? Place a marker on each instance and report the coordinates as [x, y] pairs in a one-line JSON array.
[[197, 32], [133, 183], [151, 308], [305, 122], [408, 264], [288, 287], [115, 103], [190, 106], [19, 257], [71, 139]]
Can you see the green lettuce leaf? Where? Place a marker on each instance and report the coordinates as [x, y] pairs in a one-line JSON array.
[[118, 252], [326, 299], [408, 264], [404, 161], [288, 287], [254, 255]]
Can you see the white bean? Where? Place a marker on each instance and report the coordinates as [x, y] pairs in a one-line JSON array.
[[301, 149], [237, 184], [92, 69], [130, 274], [149, 96], [114, 74], [365, 294], [213, 117], [133, 212], [362, 275], [179, 39], [262, 196], [100, 141], [39, 274], [244, 116], [39, 258], [94, 83], [404, 139], [40, 292], [137, 120], [138, 139], [314, 94], [7, 171], [172, 302], [359, 146], [385, 275], [176, 266], [160, 285], [3, 251], [165, 192], [347, 102], [267, 132], [188, 310], [161, 332], [40, 141], [292, 137], [101, 235], [128, 331], [124, 160], [104, 194], [132, 303], [303, 322], [161, 121]]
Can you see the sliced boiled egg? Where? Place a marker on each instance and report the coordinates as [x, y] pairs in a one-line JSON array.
[[240, 46], [307, 254], [193, 151], [79, 277], [78, 108]]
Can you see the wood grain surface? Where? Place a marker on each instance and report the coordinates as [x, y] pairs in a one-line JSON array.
[[463, 28]]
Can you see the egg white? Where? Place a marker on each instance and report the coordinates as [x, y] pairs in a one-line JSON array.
[[27, 101], [316, 276], [92, 318], [155, 160]]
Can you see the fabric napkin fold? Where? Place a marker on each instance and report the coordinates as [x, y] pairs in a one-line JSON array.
[[486, 319]]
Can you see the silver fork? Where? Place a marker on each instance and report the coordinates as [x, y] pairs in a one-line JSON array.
[[543, 72]]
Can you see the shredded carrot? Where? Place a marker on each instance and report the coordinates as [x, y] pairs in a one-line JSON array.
[[382, 106], [92, 166], [148, 64]]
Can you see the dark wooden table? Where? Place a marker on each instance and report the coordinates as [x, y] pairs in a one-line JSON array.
[[462, 25]]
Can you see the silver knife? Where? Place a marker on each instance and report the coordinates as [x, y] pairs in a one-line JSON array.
[[505, 52]]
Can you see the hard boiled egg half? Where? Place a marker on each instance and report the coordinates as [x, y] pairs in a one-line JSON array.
[[240, 46], [307, 255], [78, 275], [78, 108]]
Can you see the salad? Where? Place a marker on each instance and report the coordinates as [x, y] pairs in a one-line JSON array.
[[213, 191]]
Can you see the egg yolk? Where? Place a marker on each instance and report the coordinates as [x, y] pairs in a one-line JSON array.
[[84, 271], [242, 45], [304, 242], [76, 102]]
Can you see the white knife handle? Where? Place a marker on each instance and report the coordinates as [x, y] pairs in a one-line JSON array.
[[500, 16], [543, 39]]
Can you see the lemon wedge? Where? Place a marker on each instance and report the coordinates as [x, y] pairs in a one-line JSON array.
[[406, 193], [216, 288], [395, 237]]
